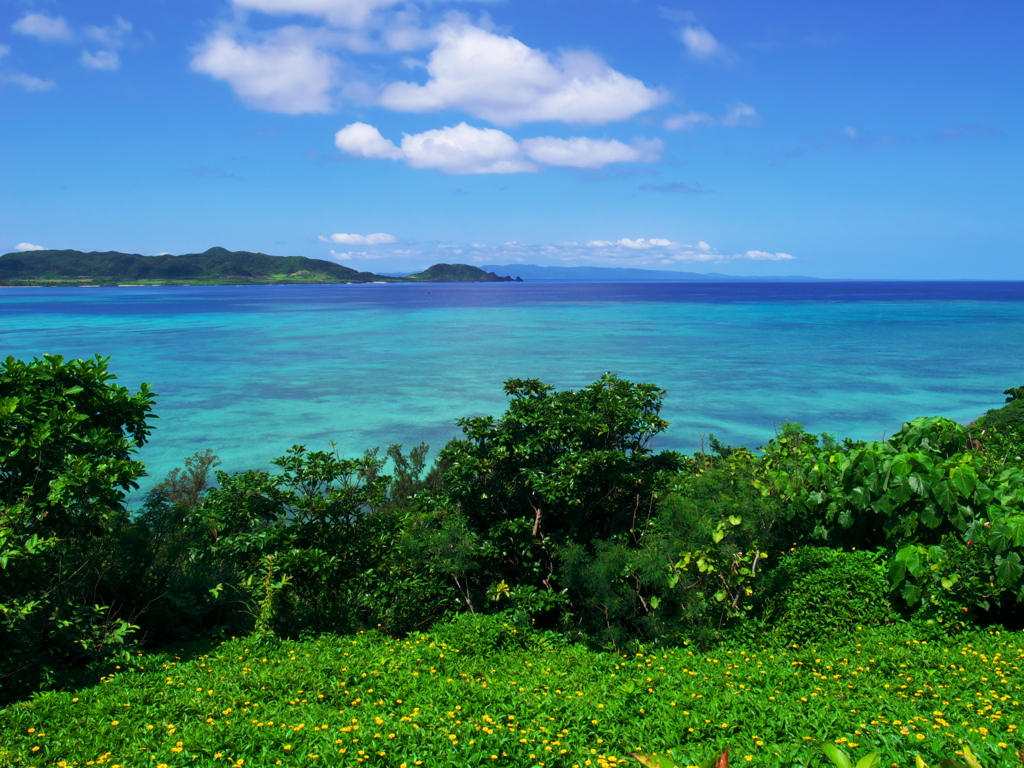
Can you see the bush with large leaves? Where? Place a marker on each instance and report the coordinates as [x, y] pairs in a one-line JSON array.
[[67, 439], [950, 515]]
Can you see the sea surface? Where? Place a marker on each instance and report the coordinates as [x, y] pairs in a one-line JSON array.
[[250, 370]]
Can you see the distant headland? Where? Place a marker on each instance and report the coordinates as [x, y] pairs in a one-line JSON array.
[[217, 266]]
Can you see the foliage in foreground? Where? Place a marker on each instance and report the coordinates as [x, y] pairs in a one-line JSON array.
[[516, 697], [559, 512]]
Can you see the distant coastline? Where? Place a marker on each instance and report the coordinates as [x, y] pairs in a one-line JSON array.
[[216, 266]]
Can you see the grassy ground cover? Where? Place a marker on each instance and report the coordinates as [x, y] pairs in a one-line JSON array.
[[525, 701]]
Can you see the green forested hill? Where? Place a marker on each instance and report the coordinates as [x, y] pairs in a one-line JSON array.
[[460, 273], [217, 265]]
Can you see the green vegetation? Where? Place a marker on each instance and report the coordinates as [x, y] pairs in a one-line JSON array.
[[530, 700], [216, 266], [551, 592], [460, 273]]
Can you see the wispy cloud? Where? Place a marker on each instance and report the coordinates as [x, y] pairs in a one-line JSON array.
[[44, 27], [738, 115], [377, 238], [851, 138], [675, 188], [104, 60], [28, 82], [655, 252], [700, 44]]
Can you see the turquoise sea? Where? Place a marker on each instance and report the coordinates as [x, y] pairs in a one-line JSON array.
[[249, 371]]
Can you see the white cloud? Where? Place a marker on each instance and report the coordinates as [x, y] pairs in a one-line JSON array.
[[463, 149], [701, 44], [4, 50], [364, 140], [285, 72], [105, 60], [378, 238], [43, 27], [739, 114], [29, 247], [460, 149], [111, 36], [656, 250], [583, 152], [28, 82], [506, 82]]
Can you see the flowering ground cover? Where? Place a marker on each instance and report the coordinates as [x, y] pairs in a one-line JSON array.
[[371, 700]]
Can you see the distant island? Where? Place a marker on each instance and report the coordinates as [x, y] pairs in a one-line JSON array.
[[533, 273], [217, 266]]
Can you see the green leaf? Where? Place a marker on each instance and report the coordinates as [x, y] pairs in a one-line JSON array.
[[870, 761], [911, 593], [836, 755], [1008, 569], [964, 479], [901, 465]]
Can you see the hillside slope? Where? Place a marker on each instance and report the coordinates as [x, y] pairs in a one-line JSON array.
[[215, 265], [459, 273]]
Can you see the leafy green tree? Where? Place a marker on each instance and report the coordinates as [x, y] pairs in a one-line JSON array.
[[68, 435], [560, 478], [292, 542]]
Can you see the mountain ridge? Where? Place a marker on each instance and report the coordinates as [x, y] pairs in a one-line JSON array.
[[215, 266]]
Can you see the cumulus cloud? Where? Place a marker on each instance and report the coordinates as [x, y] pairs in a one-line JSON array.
[[28, 82], [43, 27], [29, 247], [739, 114], [700, 44], [464, 149], [583, 152], [377, 238], [285, 72], [362, 140], [103, 60], [504, 81]]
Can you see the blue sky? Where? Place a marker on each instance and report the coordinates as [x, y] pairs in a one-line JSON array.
[[837, 139]]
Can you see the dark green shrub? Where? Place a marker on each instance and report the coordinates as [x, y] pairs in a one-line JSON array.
[[817, 592]]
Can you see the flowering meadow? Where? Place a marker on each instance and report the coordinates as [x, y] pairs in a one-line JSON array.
[[371, 700]]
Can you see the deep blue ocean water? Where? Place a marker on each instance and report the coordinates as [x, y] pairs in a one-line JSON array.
[[251, 370]]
